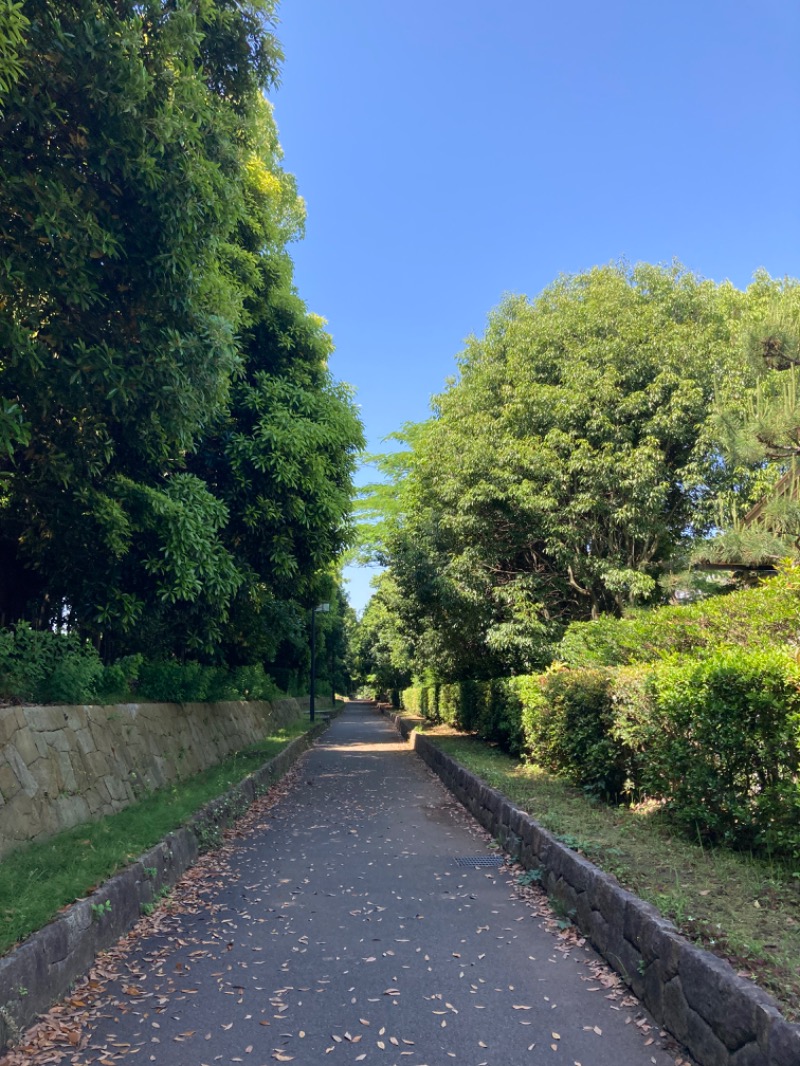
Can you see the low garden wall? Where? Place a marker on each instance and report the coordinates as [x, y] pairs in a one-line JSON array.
[[723, 1019], [63, 766]]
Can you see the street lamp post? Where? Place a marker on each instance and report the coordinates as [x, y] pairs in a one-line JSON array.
[[324, 608]]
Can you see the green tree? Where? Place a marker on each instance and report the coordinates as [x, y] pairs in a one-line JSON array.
[[759, 428], [566, 466], [177, 456], [125, 132], [380, 650]]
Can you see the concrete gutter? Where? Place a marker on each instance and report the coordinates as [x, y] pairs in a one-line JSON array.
[[42, 970], [721, 1018]]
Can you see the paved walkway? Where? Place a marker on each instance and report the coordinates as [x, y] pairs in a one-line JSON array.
[[341, 930]]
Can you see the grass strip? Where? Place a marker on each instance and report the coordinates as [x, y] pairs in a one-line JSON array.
[[744, 908], [41, 878]]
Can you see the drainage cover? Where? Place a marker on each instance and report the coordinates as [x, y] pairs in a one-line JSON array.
[[480, 860]]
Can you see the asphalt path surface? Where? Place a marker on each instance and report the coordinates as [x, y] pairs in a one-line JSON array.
[[338, 928]]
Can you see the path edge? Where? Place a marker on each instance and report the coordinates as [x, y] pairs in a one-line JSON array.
[[722, 1019], [43, 968]]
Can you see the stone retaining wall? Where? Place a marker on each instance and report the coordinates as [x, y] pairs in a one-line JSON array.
[[41, 970], [63, 766], [723, 1019]]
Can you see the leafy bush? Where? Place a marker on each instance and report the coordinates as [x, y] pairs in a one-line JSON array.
[[170, 681], [491, 709], [120, 679], [41, 666], [750, 618], [723, 747], [567, 720]]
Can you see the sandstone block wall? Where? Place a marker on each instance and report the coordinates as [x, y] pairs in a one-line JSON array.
[[62, 766]]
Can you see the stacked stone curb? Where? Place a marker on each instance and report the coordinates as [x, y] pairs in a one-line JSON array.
[[42, 970], [722, 1019]]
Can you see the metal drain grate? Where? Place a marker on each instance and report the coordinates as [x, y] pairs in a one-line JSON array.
[[480, 860]]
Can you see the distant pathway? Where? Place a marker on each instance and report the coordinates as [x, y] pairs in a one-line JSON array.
[[341, 930]]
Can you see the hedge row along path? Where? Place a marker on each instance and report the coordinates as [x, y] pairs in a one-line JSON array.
[[335, 926]]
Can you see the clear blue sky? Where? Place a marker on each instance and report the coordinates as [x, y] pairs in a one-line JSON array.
[[452, 151]]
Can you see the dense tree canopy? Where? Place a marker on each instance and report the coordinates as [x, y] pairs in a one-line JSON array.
[[568, 466], [175, 458]]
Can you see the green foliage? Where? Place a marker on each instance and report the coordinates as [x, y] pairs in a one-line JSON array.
[[170, 681], [175, 457], [723, 747], [695, 709], [564, 468], [47, 667], [490, 709], [379, 648], [759, 427], [120, 679], [567, 718], [13, 28], [769, 614]]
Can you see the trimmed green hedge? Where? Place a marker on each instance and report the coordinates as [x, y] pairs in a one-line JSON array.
[[492, 709], [751, 618], [714, 740]]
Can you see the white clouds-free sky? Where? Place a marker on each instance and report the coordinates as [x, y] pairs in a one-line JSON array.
[[452, 151]]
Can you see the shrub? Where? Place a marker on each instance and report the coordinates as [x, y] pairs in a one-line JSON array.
[[568, 716], [498, 714], [41, 666], [448, 707], [120, 680], [631, 726], [723, 747], [169, 681], [752, 618], [491, 709]]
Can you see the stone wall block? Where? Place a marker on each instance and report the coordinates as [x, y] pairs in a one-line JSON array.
[[527, 856], [660, 941], [676, 1010], [516, 818], [84, 741], [611, 900], [749, 1055], [784, 1044], [19, 766], [704, 1043], [486, 818], [8, 724], [70, 811], [59, 739], [638, 918], [46, 719], [66, 771], [727, 1003], [652, 993], [627, 960], [566, 895], [22, 974], [76, 717]]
